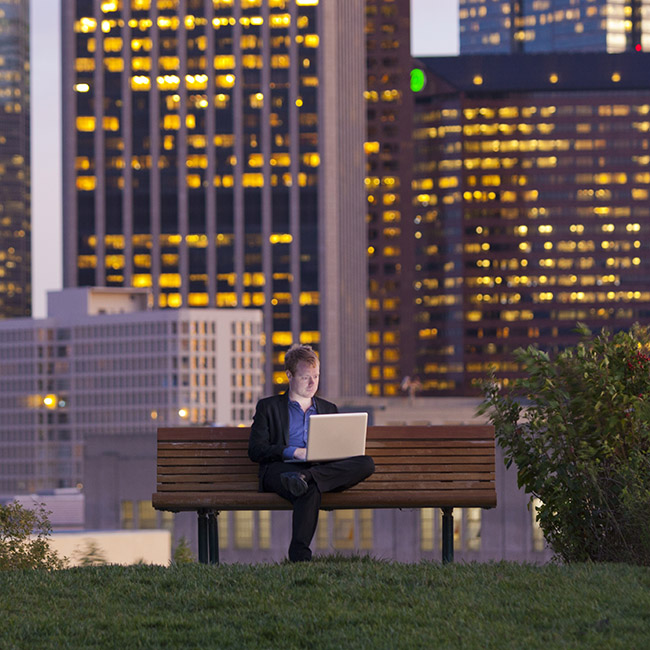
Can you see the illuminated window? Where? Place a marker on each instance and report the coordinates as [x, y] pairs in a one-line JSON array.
[[85, 123], [140, 82], [141, 280], [147, 516], [127, 518], [86, 183], [138, 44], [111, 123], [243, 525], [343, 534], [252, 61], [112, 44], [225, 80], [171, 122], [224, 62], [252, 180], [280, 61], [84, 65], [170, 280], [280, 20], [114, 64]]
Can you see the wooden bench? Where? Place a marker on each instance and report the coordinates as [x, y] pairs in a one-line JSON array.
[[207, 469]]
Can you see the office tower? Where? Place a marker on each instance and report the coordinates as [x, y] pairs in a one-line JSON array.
[[15, 282], [213, 151], [103, 364], [510, 26], [389, 165], [536, 214]]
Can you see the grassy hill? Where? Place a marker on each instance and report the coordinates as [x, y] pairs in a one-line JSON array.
[[330, 603]]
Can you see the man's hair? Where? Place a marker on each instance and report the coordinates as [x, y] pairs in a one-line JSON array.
[[297, 353]]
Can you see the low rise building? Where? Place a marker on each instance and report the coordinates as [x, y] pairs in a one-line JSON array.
[[103, 363]]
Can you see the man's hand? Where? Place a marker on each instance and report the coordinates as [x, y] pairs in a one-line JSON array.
[[300, 453]]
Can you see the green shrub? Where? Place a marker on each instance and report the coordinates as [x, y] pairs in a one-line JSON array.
[[24, 539], [577, 427], [183, 553], [91, 555]]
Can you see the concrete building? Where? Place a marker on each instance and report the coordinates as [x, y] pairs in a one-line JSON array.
[[104, 364], [532, 203], [213, 151], [15, 257], [124, 479]]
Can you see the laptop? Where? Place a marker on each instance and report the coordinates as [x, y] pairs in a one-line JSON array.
[[334, 436]]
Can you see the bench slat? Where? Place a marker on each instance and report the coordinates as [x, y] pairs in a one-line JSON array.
[[416, 466], [430, 432], [187, 501]]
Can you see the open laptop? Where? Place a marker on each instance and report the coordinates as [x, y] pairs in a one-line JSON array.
[[333, 436]]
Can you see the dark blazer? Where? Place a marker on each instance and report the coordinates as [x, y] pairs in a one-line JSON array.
[[270, 429]]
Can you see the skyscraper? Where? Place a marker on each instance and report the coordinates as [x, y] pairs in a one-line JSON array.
[[213, 151], [389, 167], [510, 26], [532, 210], [15, 290]]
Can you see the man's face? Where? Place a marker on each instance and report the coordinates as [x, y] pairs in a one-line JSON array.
[[304, 383]]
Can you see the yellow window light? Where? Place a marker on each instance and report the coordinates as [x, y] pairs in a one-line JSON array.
[[85, 123]]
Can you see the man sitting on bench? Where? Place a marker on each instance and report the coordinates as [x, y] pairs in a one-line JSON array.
[[279, 434]]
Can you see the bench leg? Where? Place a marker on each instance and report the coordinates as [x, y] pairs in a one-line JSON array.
[[447, 535], [213, 537], [203, 536]]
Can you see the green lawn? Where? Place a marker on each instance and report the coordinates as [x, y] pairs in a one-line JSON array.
[[330, 603]]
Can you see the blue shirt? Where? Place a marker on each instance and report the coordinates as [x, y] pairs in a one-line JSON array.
[[298, 428]]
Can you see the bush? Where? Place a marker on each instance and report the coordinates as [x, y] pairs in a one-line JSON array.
[[577, 427], [182, 553], [24, 539], [91, 555]]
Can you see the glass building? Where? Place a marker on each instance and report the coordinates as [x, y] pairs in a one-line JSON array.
[[15, 274], [509, 26], [532, 190], [213, 151]]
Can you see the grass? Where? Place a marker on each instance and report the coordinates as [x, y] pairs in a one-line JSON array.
[[330, 603]]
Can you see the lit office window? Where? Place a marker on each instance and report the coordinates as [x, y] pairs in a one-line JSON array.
[[147, 516], [243, 529], [126, 515]]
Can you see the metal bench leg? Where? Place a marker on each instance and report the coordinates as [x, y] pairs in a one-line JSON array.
[[447, 535], [203, 536], [213, 536]]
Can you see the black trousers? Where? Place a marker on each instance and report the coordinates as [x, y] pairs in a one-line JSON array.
[[331, 476]]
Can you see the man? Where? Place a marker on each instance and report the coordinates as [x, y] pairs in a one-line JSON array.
[[279, 434]]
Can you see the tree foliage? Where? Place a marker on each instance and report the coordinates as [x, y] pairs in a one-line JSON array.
[[577, 427], [24, 537]]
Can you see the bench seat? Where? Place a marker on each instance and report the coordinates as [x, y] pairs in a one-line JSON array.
[[207, 469]]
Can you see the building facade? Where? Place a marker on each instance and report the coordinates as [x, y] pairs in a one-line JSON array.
[[15, 257], [105, 365], [389, 167], [511, 26], [533, 204], [213, 152]]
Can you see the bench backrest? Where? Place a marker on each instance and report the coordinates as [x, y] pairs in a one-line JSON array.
[[416, 466]]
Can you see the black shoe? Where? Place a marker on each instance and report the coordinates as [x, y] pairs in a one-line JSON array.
[[294, 483]]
